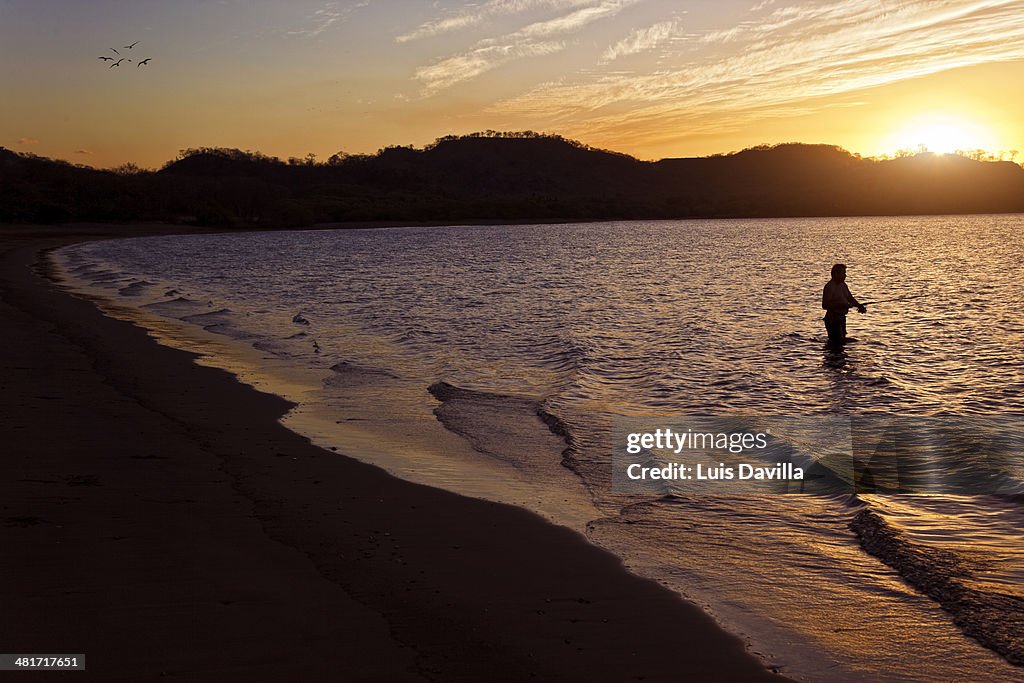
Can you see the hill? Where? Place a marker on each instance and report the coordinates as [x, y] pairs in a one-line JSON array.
[[495, 176]]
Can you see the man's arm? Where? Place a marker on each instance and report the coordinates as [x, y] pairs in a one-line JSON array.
[[853, 302]]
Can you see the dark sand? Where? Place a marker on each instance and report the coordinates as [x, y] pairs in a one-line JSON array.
[[155, 516]]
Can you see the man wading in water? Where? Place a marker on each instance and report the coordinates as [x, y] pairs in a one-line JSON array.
[[837, 300]]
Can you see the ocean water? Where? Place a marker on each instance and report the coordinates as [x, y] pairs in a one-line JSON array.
[[495, 360]]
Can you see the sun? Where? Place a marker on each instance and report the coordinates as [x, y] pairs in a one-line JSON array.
[[941, 134]]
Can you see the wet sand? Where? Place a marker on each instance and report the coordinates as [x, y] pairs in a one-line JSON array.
[[155, 516]]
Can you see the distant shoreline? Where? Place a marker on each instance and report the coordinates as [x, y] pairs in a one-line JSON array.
[[507, 179]]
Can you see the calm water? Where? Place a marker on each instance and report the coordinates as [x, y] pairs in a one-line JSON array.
[[578, 323]]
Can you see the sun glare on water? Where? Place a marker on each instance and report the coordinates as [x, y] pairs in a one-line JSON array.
[[941, 134]]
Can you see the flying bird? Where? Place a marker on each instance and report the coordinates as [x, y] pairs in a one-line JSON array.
[[144, 61], [117, 63], [110, 58], [115, 51], [128, 47]]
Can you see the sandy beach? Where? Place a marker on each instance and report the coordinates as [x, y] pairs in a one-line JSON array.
[[157, 518]]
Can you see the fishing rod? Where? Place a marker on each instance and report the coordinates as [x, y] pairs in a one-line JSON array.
[[899, 298]]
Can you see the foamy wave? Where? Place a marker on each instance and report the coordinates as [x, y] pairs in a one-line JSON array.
[[137, 288], [346, 374], [994, 619], [514, 429]]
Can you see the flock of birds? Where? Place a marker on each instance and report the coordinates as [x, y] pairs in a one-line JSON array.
[[120, 59]]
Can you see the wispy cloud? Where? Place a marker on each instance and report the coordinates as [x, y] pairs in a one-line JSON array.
[[325, 17], [25, 142], [794, 56], [573, 21], [480, 59], [642, 40], [475, 15], [442, 26], [536, 39]]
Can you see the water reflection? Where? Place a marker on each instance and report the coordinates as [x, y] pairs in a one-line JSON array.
[[678, 318]]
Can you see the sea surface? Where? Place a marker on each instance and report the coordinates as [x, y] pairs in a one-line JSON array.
[[495, 361]]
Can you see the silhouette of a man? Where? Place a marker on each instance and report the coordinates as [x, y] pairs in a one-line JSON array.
[[837, 301]]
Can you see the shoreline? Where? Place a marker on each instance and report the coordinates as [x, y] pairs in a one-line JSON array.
[[185, 531]]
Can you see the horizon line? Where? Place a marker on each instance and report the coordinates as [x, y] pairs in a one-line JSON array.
[[311, 159]]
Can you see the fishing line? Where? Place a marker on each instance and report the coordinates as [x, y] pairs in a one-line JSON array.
[[899, 298]]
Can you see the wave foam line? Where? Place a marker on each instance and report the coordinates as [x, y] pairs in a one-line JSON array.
[[995, 620]]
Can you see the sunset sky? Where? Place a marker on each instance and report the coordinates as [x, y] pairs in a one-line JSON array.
[[652, 78]]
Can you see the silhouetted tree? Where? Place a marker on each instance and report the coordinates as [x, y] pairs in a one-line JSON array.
[[505, 176]]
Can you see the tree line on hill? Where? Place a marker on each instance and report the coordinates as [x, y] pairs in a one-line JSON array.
[[504, 176]]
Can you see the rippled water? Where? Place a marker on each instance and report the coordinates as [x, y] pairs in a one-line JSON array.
[[560, 328]]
